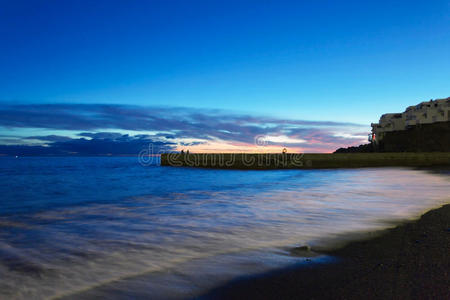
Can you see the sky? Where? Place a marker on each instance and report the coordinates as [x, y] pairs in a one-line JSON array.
[[112, 77]]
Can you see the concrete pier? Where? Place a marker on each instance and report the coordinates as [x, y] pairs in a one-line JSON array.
[[304, 161]]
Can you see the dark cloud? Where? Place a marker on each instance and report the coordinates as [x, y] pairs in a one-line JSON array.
[[102, 135], [120, 145], [50, 138], [192, 144]]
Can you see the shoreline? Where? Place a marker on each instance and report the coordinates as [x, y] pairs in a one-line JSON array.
[[409, 261]]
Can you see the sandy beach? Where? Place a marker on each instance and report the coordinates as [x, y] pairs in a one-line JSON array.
[[410, 261]]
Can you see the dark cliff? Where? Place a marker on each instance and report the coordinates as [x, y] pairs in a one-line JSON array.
[[433, 137], [420, 138]]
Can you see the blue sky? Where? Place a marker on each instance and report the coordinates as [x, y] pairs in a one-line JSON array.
[[339, 61]]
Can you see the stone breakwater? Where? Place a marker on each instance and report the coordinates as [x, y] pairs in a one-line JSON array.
[[304, 160]]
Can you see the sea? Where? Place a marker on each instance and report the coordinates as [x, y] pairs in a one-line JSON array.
[[114, 228]]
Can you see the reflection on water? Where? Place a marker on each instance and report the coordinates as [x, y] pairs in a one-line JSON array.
[[106, 226]]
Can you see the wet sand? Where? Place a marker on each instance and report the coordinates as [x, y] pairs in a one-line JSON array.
[[410, 261]]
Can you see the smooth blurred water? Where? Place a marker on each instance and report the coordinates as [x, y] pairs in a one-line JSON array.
[[109, 227]]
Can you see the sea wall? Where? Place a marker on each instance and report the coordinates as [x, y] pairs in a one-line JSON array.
[[419, 138], [304, 161]]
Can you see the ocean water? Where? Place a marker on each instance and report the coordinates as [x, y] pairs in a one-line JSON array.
[[92, 227]]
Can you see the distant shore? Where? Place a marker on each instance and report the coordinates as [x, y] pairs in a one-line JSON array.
[[263, 161], [410, 261]]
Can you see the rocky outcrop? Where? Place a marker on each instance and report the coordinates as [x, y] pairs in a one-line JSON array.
[[366, 148]]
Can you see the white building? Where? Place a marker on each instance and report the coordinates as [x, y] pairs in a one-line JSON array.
[[423, 113]]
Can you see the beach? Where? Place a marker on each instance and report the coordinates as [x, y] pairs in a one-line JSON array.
[[111, 228], [410, 261]]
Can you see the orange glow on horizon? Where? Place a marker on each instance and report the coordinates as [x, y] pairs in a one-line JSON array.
[[217, 147]]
